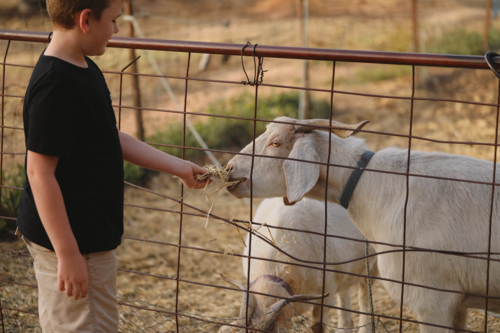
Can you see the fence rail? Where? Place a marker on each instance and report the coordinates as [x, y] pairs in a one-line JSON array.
[[263, 51], [393, 58]]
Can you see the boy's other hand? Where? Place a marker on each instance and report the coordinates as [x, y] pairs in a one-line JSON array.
[[188, 178], [72, 276]]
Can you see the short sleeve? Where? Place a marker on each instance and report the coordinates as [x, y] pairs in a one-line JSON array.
[[51, 117]]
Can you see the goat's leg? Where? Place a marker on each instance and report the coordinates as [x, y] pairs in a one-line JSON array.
[[436, 308], [436, 313], [460, 319], [364, 306], [344, 301], [317, 327]]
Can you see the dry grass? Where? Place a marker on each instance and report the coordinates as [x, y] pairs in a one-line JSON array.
[[218, 176]]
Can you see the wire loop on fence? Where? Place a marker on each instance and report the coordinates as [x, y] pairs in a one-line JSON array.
[[257, 69], [488, 57]]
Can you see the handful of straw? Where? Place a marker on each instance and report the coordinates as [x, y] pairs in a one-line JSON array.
[[215, 174], [219, 175]]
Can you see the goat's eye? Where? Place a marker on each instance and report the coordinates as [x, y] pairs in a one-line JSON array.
[[276, 144]]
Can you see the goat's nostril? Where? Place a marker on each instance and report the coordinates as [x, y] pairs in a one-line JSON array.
[[229, 168]]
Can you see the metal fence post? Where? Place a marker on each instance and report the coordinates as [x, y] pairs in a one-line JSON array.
[[136, 92], [1, 150], [487, 23], [303, 13], [182, 200]]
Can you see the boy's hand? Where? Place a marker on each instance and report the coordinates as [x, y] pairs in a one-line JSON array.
[[72, 276], [188, 177]]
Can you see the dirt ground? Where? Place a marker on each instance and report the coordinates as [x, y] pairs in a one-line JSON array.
[[360, 24]]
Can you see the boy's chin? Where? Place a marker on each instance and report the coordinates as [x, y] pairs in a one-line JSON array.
[[99, 52], [95, 52]]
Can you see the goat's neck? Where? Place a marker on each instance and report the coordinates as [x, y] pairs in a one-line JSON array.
[[344, 152]]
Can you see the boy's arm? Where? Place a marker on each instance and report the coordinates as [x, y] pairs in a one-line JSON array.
[[72, 270], [142, 154]]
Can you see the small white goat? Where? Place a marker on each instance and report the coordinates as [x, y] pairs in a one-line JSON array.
[[285, 280], [441, 215]]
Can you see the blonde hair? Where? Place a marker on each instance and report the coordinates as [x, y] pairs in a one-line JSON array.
[[62, 12]]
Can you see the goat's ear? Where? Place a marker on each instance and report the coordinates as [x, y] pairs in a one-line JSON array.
[[300, 176]]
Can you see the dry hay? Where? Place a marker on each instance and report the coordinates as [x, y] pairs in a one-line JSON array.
[[218, 175]]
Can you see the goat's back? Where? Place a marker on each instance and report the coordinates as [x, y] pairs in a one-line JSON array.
[[441, 214], [306, 215]]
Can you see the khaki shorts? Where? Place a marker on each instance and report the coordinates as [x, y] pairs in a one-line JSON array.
[[98, 312]]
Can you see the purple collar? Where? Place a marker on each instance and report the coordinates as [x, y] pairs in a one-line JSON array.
[[277, 280]]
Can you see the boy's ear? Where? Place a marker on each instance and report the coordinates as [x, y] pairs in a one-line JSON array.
[[83, 20]]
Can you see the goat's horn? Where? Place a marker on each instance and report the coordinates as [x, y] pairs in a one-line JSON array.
[[244, 299], [270, 317], [232, 282], [306, 297], [343, 130], [278, 306], [243, 312]]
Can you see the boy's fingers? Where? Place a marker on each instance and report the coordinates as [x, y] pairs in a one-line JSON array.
[[191, 182], [197, 185], [76, 290], [61, 285], [201, 185], [69, 289]]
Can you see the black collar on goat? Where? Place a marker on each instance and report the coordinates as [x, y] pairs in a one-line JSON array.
[[354, 178]]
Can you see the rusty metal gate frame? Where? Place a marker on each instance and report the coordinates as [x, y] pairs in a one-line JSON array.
[[263, 51]]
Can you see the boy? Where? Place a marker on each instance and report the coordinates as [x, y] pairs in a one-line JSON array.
[[71, 209]]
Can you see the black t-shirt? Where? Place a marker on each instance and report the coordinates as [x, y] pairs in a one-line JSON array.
[[68, 113]]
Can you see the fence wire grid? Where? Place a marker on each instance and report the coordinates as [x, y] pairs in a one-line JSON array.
[[135, 315], [18, 285]]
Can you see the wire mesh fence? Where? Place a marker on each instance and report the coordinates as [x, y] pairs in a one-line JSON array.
[[19, 301], [138, 315]]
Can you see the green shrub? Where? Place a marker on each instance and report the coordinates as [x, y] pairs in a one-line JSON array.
[[233, 134], [458, 41], [463, 42], [133, 173], [381, 73], [494, 40]]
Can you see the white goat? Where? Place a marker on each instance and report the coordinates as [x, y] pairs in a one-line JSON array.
[[286, 280], [443, 215]]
